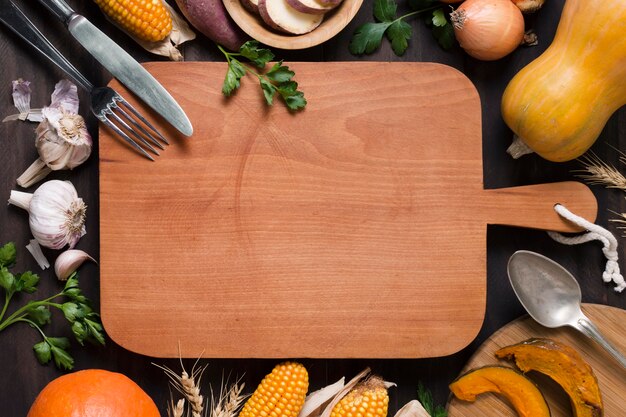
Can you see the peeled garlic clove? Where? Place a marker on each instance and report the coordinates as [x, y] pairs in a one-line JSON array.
[[69, 261], [314, 402], [412, 409]]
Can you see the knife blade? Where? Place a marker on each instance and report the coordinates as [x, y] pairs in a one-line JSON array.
[[121, 65]]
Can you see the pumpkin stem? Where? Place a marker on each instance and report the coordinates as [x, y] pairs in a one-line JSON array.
[[518, 148]]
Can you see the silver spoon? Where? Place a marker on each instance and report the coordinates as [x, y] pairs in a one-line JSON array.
[[552, 297]]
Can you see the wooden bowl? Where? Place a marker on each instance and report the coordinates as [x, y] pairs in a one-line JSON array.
[[334, 21]]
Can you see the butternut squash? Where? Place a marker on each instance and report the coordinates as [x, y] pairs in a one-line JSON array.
[[565, 366], [523, 395], [559, 103]]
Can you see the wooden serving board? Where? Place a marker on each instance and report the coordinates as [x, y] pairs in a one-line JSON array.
[[612, 378], [351, 229]]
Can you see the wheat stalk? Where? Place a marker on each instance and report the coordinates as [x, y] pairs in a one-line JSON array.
[[597, 172], [176, 409], [229, 401], [188, 385]]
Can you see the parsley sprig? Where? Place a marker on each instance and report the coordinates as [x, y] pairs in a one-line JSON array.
[[278, 80], [84, 322], [425, 397], [368, 37]]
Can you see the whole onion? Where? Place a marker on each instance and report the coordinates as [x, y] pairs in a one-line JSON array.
[[488, 29]]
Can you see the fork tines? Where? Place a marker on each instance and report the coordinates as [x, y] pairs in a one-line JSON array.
[[129, 124]]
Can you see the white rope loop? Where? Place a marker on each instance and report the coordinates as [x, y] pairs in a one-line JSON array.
[[594, 232]]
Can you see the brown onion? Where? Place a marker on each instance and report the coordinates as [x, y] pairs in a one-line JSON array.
[[488, 29]]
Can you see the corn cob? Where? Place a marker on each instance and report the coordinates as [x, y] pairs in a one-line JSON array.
[[147, 20], [280, 394], [367, 399]]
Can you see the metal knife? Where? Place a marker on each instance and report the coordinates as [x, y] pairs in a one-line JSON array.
[[123, 66]]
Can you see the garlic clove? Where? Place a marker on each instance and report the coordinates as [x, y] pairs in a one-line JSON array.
[[69, 261]]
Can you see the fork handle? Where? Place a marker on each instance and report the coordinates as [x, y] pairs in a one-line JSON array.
[[17, 21], [60, 9]]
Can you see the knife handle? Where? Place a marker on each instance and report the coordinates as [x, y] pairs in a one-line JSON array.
[[16, 20], [60, 9]]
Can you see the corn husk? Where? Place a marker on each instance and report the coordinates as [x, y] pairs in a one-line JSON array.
[[168, 47], [315, 402], [412, 409]]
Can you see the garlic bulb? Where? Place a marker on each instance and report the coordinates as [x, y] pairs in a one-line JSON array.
[[62, 139], [56, 213], [68, 262]]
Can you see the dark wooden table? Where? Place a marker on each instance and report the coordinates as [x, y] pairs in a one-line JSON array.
[[21, 377]]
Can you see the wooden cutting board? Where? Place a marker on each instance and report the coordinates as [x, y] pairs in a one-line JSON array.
[[352, 229], [612, 378]]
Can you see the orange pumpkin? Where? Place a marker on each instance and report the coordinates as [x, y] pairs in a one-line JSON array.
[[93, 393]]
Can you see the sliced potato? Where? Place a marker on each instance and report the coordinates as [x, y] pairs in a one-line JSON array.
[[251, 5], [310, 6], [281, 16]]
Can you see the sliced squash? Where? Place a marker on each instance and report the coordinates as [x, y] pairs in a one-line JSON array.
[[565, 366], [521, 392]]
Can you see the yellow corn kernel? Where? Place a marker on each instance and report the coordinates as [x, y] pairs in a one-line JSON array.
[[280, 394], [366, 399], [147, 20]]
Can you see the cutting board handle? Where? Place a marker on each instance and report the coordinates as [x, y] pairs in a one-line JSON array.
[[532, 206]]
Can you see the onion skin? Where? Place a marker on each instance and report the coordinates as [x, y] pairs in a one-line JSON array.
[[488, 29]]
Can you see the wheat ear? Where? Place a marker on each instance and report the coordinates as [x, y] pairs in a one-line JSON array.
[[597, 172]]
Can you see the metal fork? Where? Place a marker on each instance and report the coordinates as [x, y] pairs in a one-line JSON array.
[[106, 104]]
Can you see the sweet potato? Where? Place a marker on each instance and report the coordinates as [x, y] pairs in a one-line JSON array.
[[211, 19]]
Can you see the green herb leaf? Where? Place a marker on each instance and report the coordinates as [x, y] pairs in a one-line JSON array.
[[367, 38], [7, 280], [75, 294], [399, 34], [385, 10], [62, 359], [280, 73], [444, 35], [72, 282], [7, 254], [40, 315], [72, 311], [439, 18], [43, 352], [60, 342], [425, 397], [233, 76], [27, 282], [81, 332], [295, 101], [268, 90], [96, 330], [259, 56]]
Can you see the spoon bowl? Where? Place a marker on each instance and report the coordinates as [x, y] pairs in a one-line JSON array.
[[552, 296]]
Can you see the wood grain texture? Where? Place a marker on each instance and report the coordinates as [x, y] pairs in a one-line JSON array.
[[611, 377], [334, 21], [348, 230], [23, 377]]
